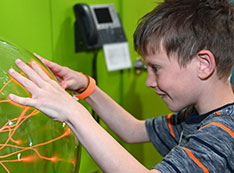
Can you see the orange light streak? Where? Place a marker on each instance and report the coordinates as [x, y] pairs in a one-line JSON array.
[[28, 159], [4, 167], [5, 85], [11, 132], [23, 159]]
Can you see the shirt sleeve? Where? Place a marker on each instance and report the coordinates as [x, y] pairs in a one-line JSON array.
[[164, 131], [210, 149]]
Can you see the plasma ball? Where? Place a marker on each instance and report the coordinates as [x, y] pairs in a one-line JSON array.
[[29, 140]]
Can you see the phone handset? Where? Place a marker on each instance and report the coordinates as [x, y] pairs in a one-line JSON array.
[[83, 13]]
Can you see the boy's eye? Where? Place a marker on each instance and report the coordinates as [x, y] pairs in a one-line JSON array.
[[155, 69]]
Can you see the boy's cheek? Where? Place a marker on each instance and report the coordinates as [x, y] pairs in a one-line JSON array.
[[164, 83]]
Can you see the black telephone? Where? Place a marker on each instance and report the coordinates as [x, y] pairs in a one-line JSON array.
[[96, 25]]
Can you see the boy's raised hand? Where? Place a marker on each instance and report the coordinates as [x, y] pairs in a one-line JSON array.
[[69, 79], [47, 95]]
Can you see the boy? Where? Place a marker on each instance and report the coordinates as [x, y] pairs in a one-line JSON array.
[[188, 48]]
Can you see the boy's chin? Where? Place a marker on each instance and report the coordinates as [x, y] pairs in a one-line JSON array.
[[175, 108]]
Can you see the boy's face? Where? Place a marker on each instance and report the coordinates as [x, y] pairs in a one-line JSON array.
[[178, 86]]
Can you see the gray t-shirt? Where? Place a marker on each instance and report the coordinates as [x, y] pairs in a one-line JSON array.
[[194, 143]]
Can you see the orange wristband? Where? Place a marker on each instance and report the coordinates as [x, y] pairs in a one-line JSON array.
[[88, 80], [89, 90]]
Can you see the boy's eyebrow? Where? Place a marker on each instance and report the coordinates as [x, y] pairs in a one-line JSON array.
[[148, 63]]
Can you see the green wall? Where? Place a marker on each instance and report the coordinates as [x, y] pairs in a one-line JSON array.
[[47, 27]]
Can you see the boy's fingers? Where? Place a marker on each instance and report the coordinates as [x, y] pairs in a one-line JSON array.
[[58, 71], [43, 60], [39, 71], [21, 100], [39, 57], [32, 75], [55, 68], [27, 84], [51, 65], [36, 67]]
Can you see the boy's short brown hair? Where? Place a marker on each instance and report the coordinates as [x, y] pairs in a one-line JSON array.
[[184, 27]]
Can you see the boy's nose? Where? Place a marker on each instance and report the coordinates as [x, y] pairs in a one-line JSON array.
[[151, 81]]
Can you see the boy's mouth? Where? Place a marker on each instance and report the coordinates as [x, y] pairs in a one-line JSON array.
[[161, 95]]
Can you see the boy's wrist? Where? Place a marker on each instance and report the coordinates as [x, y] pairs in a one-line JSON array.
[[86, 83], [87, 90]]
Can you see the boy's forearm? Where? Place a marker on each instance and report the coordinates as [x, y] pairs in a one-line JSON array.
[[120, 121], [107, 153]]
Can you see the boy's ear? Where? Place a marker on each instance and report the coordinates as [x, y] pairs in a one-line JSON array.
[[206, 64]]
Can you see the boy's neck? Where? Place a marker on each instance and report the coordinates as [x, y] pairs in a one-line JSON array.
[[215, 96]]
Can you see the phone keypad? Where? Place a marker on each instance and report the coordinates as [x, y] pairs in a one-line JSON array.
[[111, 35]]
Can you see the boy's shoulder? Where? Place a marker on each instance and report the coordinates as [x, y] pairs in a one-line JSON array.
[[222, 118], [225, 112]]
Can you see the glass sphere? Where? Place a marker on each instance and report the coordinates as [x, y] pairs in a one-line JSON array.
[[29, 140]]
